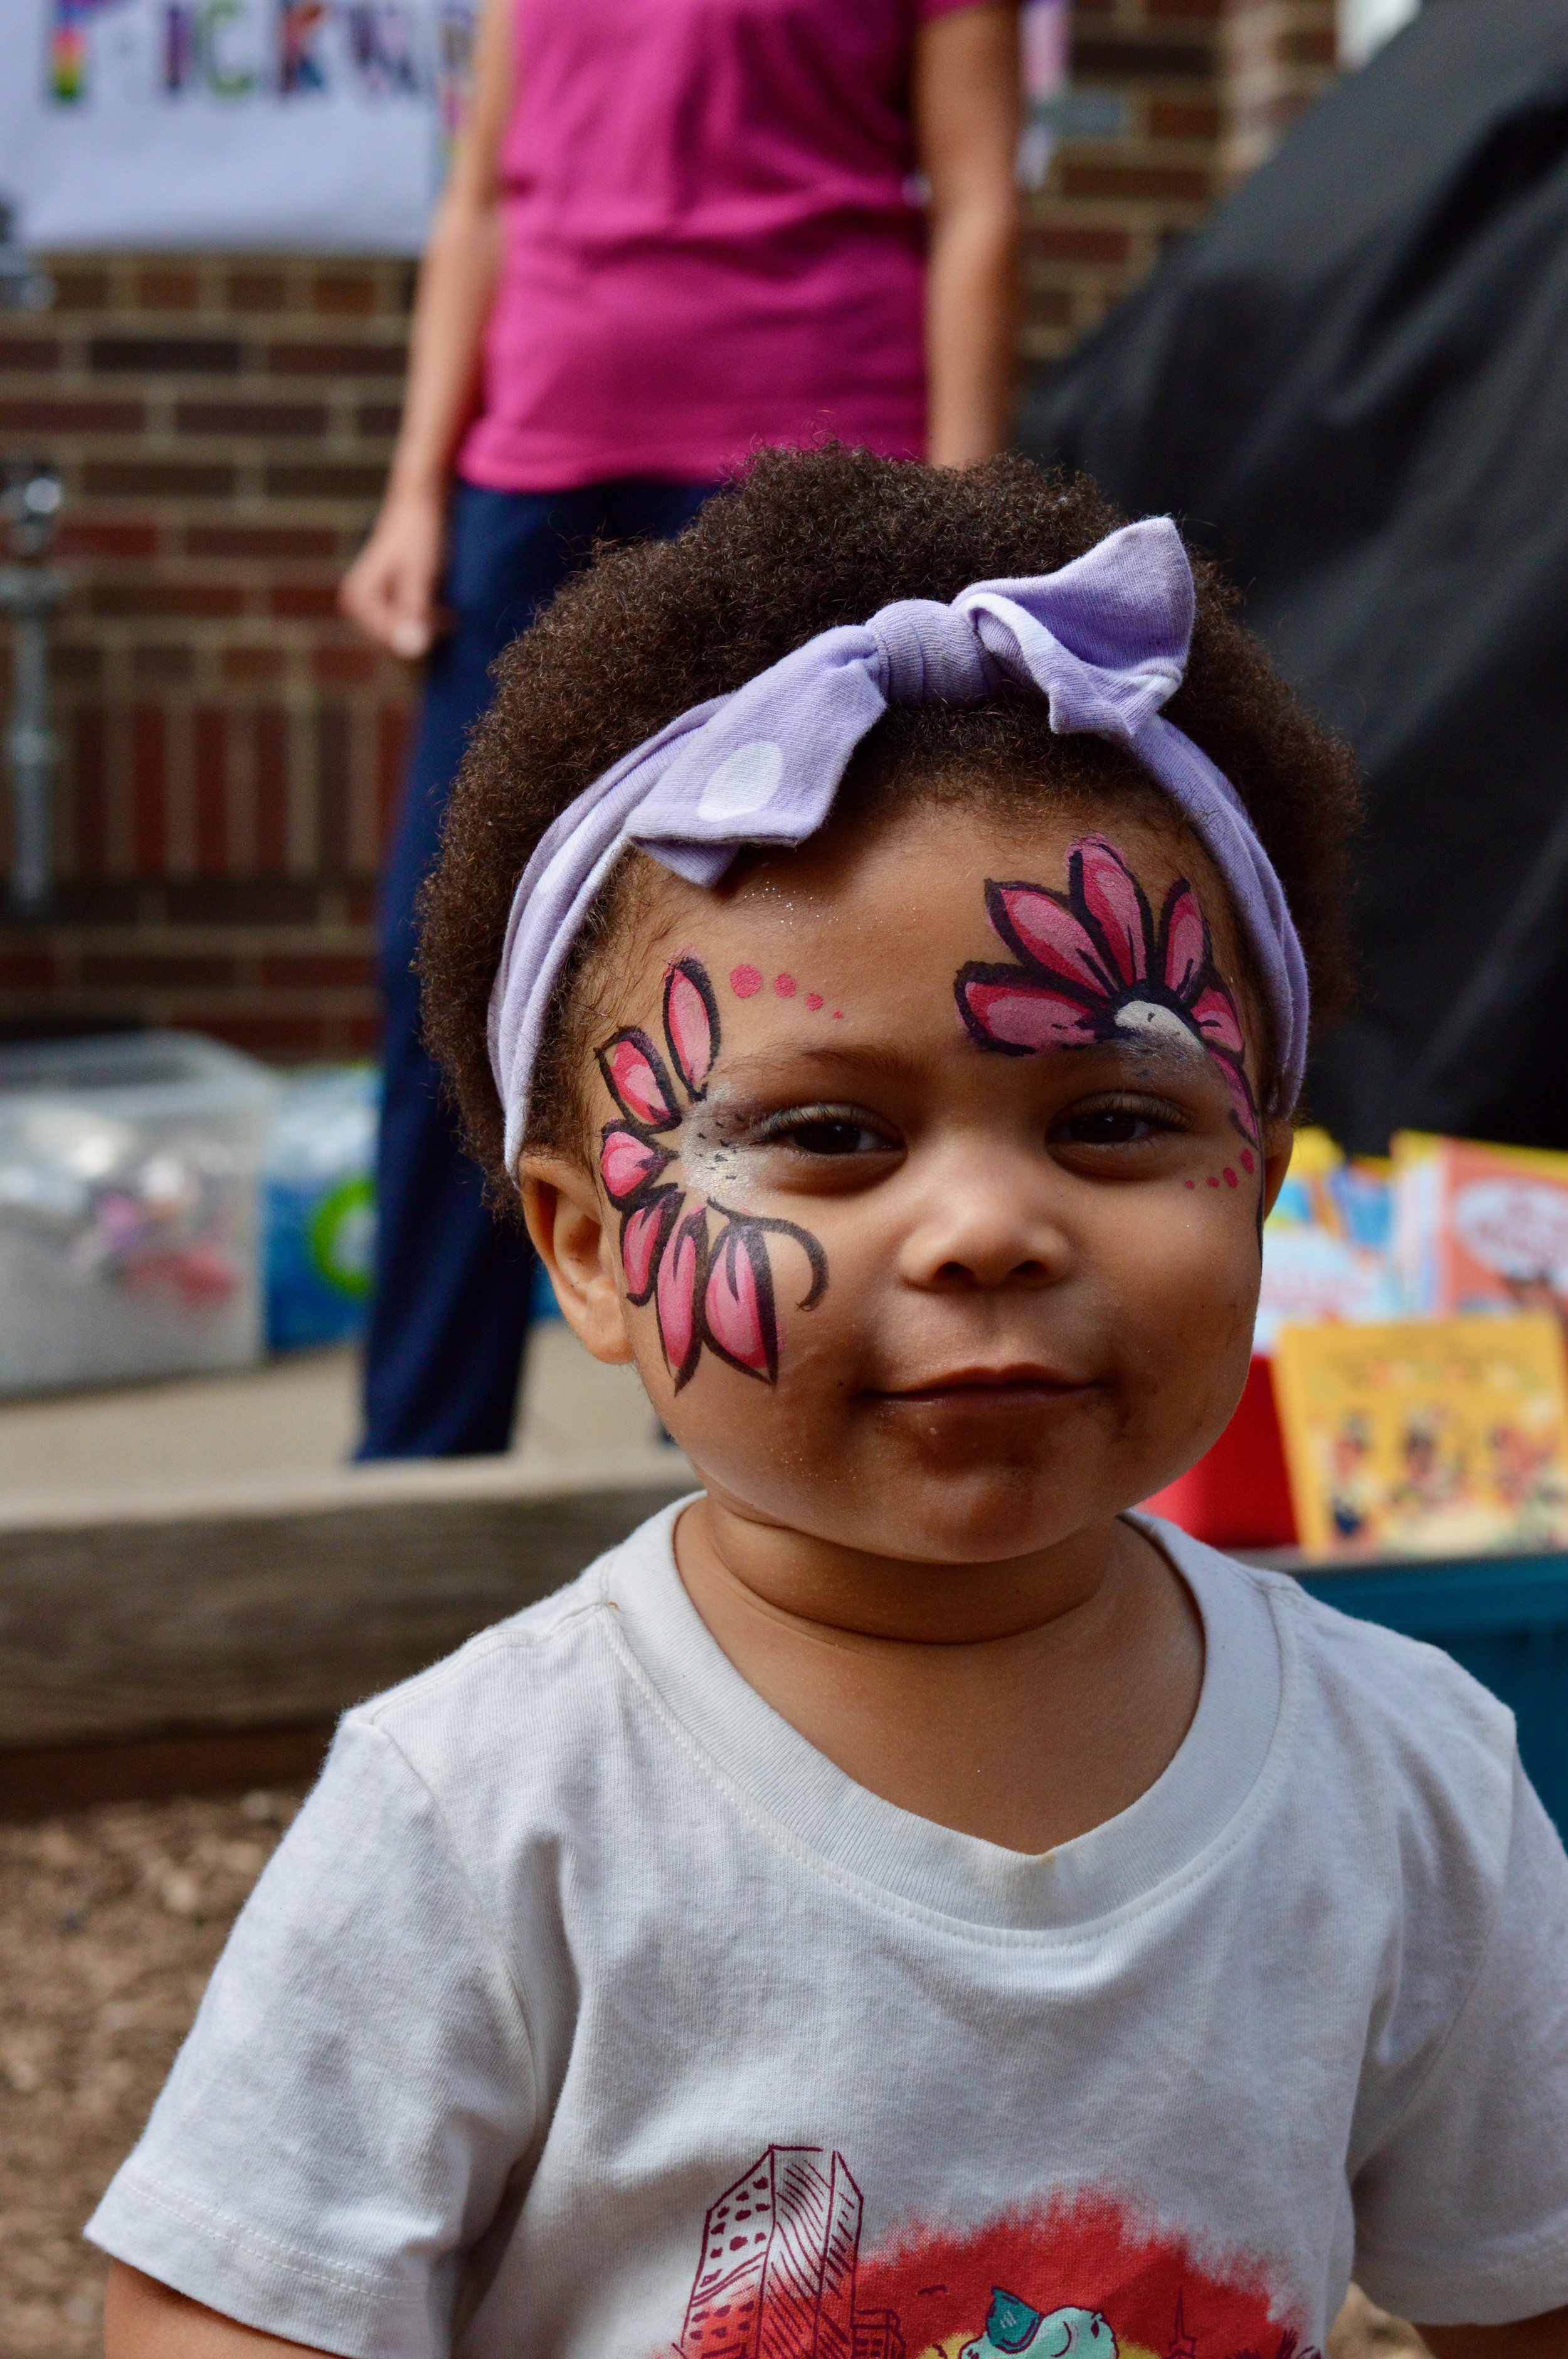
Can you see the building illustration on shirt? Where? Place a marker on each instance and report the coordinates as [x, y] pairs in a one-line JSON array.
[[776, 2279], [782, 2276]]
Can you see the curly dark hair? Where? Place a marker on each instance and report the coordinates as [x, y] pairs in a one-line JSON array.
[[804, 541]]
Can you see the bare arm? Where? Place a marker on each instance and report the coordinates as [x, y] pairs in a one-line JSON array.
[[1528, 2338], [390, 589], [966, 104], [145, 2319]]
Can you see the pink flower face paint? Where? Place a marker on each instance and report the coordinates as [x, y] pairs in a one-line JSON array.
[[635, 1072], [711, 1288], [1094, 964]]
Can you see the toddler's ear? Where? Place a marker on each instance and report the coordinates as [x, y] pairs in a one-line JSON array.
[[567, 1222]]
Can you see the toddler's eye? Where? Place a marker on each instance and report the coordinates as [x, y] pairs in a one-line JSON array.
[[1112, 1123], [823, 1131]]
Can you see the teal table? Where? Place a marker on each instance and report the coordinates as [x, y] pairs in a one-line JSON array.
[[1504, 1617]]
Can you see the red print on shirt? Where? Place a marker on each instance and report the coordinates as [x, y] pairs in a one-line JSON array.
[[782, 2276]]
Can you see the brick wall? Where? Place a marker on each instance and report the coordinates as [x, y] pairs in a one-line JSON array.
[[233, 752], [1172, 99], [1278, 55]]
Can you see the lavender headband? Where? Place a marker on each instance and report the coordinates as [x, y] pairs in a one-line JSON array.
[[1103, 640]]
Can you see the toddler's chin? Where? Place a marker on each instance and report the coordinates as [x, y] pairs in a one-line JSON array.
[[980, 1515], [980, 1520]]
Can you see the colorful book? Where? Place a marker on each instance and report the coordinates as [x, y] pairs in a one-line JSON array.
[[1427, 1438], [1325, 1244], [1478, 1228]]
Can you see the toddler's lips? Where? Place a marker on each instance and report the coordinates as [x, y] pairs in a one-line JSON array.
[[990, 1389]]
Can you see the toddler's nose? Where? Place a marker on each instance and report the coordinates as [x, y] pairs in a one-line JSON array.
[[981, 1233]]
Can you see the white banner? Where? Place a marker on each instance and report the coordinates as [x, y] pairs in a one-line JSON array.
[[317, 124]]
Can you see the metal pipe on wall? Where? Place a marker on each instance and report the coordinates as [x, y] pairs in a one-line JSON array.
[[30, 591]]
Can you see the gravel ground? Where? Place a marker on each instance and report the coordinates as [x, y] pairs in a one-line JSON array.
[[110, 1922]]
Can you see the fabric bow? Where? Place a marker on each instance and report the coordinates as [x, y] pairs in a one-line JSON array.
[[1103, 640]]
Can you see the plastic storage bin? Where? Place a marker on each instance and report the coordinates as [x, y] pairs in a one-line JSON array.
[[129, 1229], [320, 1206]]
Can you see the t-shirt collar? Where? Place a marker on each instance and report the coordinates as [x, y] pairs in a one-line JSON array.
[[811, 1803]]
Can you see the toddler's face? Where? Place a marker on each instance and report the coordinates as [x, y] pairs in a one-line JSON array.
[[929, 1181]]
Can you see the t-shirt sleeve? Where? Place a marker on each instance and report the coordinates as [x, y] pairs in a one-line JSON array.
[[1462, 2212], [341, 2124]]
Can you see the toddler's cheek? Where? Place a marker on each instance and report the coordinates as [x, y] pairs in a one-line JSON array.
[[1190, 1298], [777, 1447]]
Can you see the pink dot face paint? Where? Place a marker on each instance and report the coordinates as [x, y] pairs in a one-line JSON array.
[[1094, 965], [746, 981], [712, 1287]]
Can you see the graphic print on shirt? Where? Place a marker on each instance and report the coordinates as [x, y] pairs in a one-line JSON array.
[[710, 1290], [782, 2276]]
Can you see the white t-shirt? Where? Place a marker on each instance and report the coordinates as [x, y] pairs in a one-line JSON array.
[[587, 2012]]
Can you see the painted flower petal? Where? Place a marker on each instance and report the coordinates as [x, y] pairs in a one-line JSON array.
[[1006, 1011], [1214, 1013], [691, 1022], [738, 1304], [643, 1235], [1186, 939], [637, 1079], [627, 1162], [676, 1294], [1243, 1106], [1043, 929], [1100, 879]]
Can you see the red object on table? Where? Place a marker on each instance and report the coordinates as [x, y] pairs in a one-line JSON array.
[[1238, 1494]]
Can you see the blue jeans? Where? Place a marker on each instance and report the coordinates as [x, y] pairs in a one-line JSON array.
[[444, 1353]]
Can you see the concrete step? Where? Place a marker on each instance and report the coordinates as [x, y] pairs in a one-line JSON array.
[[196, 1558]]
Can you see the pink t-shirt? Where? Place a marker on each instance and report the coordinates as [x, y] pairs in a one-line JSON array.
[[709, 239]]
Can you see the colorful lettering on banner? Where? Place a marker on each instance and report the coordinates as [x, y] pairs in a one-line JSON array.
[[313, 126], [280, 49]]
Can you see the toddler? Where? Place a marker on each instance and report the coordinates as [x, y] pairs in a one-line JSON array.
[[901, 1903]]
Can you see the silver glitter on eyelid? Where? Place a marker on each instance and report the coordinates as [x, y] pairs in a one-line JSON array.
[[712, 1153]]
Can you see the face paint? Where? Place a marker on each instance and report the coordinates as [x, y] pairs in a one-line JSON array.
[[1094, 966], [711, 1289], [1228, 1178], [746, 981]]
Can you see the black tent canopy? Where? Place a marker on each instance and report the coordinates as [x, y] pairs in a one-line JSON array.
[[1352, 387]]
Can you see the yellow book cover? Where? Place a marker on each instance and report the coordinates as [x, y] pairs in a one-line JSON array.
[[1426, 1437]]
